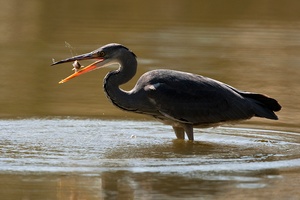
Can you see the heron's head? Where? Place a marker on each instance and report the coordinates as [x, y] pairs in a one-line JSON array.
[[105, 56]]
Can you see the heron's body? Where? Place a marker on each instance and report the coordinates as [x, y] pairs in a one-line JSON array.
[[182, 100]]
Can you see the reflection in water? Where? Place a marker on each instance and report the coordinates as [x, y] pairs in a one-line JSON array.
[[128, 185], [124, 185], [94, 159]]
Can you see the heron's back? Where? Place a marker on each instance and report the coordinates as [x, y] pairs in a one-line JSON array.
[[190, 98]]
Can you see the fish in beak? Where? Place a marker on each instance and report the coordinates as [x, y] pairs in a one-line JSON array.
[[78, 70]]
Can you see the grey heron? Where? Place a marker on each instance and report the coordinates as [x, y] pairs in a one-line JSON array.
[[180, 99]]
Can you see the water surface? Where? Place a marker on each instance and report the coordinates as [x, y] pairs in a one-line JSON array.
[[59, 158]]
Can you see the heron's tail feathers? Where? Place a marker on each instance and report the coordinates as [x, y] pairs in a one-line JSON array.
[[263, 106]]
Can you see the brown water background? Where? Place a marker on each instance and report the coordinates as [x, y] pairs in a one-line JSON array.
[[251, 45]]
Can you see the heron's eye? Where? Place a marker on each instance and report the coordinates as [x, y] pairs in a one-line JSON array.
[[101, 53]]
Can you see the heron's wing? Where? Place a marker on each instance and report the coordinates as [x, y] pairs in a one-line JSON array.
[[198, 101]]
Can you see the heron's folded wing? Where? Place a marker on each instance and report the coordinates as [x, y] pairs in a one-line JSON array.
[[198, 103]]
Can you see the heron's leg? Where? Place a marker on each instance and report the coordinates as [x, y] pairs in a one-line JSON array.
[[188, 128], [179, 132]]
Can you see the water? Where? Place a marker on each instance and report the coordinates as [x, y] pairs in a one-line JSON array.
[[68, 142], [94, 159]]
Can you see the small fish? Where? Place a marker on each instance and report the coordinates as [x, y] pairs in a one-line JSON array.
[[76, 66]]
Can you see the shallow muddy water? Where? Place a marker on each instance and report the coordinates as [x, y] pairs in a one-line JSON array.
[[66, 141], [104, 159]]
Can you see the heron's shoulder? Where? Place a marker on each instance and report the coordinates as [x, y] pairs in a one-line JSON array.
[[178, 77], [165, 79], [168, 74]]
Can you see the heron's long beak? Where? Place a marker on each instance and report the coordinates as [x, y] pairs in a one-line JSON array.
[[84, 70], [85, 56]]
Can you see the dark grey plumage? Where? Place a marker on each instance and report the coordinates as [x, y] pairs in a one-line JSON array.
[[181, 99]]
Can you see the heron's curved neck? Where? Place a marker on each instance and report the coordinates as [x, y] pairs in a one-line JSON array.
[[114, 79]]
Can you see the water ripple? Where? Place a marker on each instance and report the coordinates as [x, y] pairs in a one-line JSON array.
[[88, 146]]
